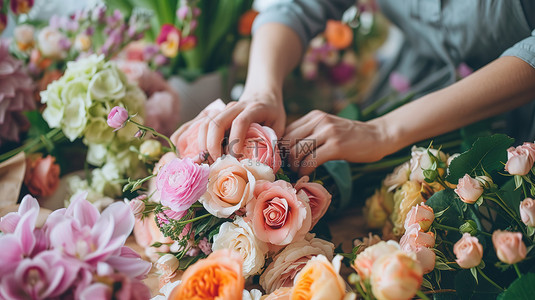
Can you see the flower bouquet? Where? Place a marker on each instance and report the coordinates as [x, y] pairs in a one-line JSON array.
[[466, 220], [242, 202]]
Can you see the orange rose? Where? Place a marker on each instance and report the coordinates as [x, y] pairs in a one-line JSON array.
[[42, 175], [338, 34], [219, 276], [319, 279]]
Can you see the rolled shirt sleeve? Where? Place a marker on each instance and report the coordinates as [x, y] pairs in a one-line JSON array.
[[524, 49], [306, 17]]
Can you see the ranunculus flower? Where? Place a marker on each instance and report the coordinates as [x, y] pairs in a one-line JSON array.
[[468, 251], [527, 212], [378, 208], [49, 41], [239, 237], [396, 276], [320, 279], [420, 161], [21, 6], [231, 185], [398, 177], [279, 216], [23, 35], [520, 160], [42, 175], [169, 40], [261, 145], [422, 215], [117, 117], [181, 183], [469, 189], [364, 262], [187, 142], [219, 276], [509, 246], [319, 198], [285, 266]]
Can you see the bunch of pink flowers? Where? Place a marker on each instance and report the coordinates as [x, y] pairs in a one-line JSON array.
[[75, 252]]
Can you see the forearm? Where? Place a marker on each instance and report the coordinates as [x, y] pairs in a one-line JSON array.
[[502, 85], [275, 51]]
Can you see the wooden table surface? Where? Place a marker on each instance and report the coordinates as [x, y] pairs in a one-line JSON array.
[[344, 229]]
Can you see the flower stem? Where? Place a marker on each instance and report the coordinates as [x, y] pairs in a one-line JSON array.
[[525, 190], [445, 227], [488, 279], [194, 219], [34, 142], [155, 133], [422, 295], [517, 270]]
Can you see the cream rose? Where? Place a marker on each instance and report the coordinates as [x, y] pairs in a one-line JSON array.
[[239, 237], [231, 185], [420, 161], [398, 177], [49, 41], [285, 266]]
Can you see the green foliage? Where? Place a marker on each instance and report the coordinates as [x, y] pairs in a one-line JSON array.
[[486, 155], [521, 289], [340, 172]]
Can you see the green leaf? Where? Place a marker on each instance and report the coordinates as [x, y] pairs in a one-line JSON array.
[[511, 195], [38, 125], [427, 284], [530, 231], [340, 171], [487, 153], [518, 181], [520, 289], [474, 273], [351, 112]]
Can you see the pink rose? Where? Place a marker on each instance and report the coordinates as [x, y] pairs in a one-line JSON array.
[[161, 112], [468, 251], [469, 189], [396, 276], [231, 185], [42, 175], [527, 212], [520, 160], [422, 215], [117, 117], [277, 214], [181, 183], [261, 146], [509, 246], [319, 198], [414, 237], [426, 257]]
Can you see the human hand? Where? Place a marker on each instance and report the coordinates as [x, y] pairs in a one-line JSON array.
[[265, 108], [319, 137]]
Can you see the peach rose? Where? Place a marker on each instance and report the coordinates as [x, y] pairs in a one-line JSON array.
[[261, 145], [509, 246], [146, 233], [468, 251], [219, 276], [469, 189], [319, 198], [520, 160], [279, 216], [415, 237], [422, 215], [366, 242], [285, 266], [396, 276], [187, 142], [364, 262], [231, 185], [426, 257], [282, 293], [319, 279], [42, 175], [527, 212], [405, 198]]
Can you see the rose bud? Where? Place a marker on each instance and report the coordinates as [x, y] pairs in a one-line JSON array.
[[519, 160], [468, 251], [509, 246], [117, 117], [420, 214], [469, 189], [527, 212]]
